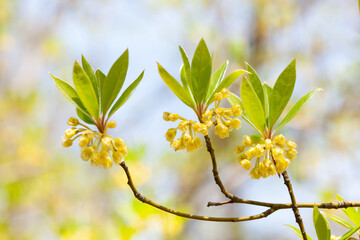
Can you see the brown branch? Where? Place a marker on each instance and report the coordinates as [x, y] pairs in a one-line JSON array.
[[329, 205], [294, 205], [187, 215]]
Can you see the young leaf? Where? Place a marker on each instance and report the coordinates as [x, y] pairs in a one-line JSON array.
[[216, 78], [126, 94], [352, 214], [84, 116], [186, 69], [321, 225], [233, 99], [68, 91], [255, 82], [175, 87], [267, 94], [252, 105], [298, 232], [226, 83], [114, 81], [338, 220], [350, 233], [296, 108], [100, 76], [85, 90], [184, 80], [90, 73], [282, 92], [200, 71]]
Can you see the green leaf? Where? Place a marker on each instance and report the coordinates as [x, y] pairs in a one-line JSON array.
[[84, 117], [352, 214], [282, 92], [338, 220], [255, 82], [298, 232], [85, 90], [100, 76], [252, 105], [200, 71], [216, 79], [114, 81], [350, 233], [126, 94], [233, 99], [90, 73], [187, 72], [267, 94], [70, 93], [226, 83], [296, 108], [175, 87], [183, 79], [321, 225]]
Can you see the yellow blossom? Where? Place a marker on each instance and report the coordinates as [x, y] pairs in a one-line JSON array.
[[269, 155], [96, 146]]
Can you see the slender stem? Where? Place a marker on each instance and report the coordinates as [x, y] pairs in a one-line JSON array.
[[187, 215], [294, 205], [217, 179]]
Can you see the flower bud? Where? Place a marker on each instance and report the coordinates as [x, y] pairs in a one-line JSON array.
[[291, 144], [279, 139], [117, 157], [291, 153], [218, 97], [166, 116], [236, 109], [170, 134], [268, 144], [73, 121], [111, 124], [70, 133], [119, 143], [173, 117], [239, 149], [235, 123], [67, 142], [246, 164], [247, 142], [83, 141], [175, 144]]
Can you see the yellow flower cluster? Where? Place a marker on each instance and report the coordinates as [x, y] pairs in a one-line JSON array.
[[100, 148], [188, 139], [275, 153], [223, 122]]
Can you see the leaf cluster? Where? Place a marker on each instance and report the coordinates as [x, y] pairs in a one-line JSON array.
[[263, 105], [94, 93], [198, 83]]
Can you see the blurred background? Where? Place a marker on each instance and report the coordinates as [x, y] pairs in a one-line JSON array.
[[47, 192]]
